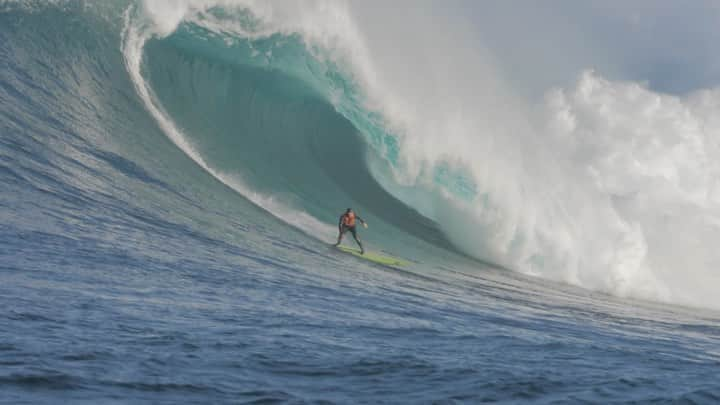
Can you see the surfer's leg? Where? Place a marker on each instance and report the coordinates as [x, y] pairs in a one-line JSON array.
[[354, 234], [341, 232]]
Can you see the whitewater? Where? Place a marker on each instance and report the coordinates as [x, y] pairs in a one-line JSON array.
[[172, 173]]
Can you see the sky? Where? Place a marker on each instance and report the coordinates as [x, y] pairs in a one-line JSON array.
[[670, 45]]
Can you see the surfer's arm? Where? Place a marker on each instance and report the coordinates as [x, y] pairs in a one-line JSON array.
[[360, 219]]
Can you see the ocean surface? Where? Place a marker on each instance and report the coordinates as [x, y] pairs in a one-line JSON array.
[[170, 185]]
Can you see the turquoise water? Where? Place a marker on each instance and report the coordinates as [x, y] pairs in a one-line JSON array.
[[132, 274]]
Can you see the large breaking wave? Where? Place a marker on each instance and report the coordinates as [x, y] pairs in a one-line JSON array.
[[305, 107]]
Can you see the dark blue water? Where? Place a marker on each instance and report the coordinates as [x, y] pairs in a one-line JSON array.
[[129, 274]]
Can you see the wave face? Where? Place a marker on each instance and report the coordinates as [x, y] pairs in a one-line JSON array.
[[268, 133], [303, 108]]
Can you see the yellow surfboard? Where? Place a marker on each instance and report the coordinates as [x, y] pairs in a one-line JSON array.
[[375, 258]]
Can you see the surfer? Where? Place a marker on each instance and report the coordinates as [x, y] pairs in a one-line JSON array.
[[347, 223]]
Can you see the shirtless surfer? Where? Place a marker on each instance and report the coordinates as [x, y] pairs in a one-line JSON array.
[[347, 223]]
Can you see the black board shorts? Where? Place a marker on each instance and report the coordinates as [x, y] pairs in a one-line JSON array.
[[346, 228]]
